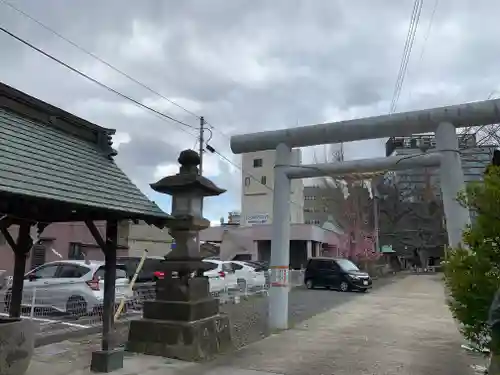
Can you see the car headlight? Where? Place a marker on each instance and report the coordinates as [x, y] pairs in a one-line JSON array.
[[354, 277]]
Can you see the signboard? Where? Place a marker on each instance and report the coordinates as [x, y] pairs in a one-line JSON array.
[[280, 277], [257, 219], [387, 249]]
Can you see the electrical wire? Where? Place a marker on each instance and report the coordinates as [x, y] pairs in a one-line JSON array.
[[69, 67], [410, 38], [96, 57], [158, 113], [155, 112], [426, 38], [106, 63], [109, 65], [246, 174]]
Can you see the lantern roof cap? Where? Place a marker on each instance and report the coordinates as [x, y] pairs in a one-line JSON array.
[[188, 179]]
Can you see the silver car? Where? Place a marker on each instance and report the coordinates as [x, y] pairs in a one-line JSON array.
[[70, 286]]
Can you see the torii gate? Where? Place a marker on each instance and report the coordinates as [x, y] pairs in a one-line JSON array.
[[443, 121]]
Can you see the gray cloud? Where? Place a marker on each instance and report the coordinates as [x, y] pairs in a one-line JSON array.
[[246, 66]]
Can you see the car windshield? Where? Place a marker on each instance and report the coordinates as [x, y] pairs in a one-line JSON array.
[[347, 265]]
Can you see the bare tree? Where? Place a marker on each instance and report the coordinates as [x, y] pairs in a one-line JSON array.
[[413, 225], [348, 200]]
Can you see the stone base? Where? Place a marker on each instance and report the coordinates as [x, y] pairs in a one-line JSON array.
[[17, 343], [107, 360], [180, 311], [189, 341]]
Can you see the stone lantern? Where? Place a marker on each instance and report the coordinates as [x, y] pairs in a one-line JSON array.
[[183, 321]]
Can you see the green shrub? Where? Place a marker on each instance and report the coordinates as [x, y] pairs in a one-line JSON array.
[[472, 275]]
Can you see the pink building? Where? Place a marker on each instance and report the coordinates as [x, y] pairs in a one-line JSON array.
[[69, 240]]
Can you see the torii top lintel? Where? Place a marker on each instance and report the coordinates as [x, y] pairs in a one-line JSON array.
[[398, 124]]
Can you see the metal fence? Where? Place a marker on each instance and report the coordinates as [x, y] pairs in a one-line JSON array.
[[59, 311]]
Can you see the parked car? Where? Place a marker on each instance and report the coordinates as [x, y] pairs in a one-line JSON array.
[[151, 269], [222, 277], [262, 266], [336, 273], [70, 286], [249, 275]]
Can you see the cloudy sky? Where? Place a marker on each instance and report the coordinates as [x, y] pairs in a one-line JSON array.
[[246, 66]]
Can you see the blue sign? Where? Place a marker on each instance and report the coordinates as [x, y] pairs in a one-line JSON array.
[[172, 245]]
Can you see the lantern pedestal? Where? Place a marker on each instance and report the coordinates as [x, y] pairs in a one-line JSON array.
[[183, 322]]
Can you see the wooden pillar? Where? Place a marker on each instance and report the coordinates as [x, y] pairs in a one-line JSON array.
[[108, 358], [108, 247], [109, 283], [21, 249]]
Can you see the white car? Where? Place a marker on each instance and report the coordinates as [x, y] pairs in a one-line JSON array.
[[252, 278], [222, 277], [70, 286]]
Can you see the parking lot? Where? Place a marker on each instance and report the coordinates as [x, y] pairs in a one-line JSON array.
[[247, 311], [52, 322]]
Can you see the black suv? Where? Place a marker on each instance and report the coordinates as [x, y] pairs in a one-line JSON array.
[[151, 269], [336, 273]]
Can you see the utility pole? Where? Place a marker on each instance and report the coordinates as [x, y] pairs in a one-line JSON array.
[[376, 219], [200, 170], [202, 141]]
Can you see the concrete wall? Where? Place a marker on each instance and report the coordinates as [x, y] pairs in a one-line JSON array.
[[257, 199]]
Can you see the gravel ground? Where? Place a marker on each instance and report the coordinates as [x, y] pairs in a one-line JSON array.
[[249, 317]]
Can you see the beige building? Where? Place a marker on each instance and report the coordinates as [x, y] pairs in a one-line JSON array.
[[257, 184], [143, 236]]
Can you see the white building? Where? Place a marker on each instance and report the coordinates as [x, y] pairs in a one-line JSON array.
[[234, 217], [257, 185]]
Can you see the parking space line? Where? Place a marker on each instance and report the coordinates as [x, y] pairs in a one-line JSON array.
[[51, 321]]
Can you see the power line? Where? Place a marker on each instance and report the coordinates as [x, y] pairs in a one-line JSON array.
[[162, 115], [158, 113], [93, 55], [248, 174], [426, 37], [106, 63], [67, 66], [410, 38]]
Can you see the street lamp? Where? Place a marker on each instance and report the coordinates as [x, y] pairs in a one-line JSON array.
[[183, 321], [187, 189]]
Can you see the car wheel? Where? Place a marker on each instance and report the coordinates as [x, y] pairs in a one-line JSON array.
[[76, 306], [309, 284], [344, 286]]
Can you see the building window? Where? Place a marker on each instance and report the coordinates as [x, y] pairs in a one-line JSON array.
[[257, 163], [75, 251], [38, 255], [263, 180], [247, 181]]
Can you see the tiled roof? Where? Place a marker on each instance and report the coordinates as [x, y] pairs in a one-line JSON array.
[[38, 160]]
